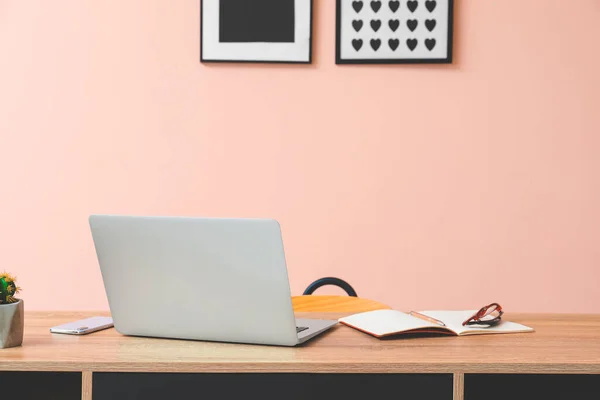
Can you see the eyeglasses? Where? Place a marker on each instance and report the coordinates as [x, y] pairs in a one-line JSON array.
[[487, 316]]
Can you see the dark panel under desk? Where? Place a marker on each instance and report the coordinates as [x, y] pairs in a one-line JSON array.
[[526, 387], [150, 386], [40, 385]]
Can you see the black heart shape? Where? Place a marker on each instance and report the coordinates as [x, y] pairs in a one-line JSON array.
[[394, 5], [375, 24], [376, 5], [430, 44], [430, 24], [357, 5], [375, 43], [412, 5], [357, 24], [412, 44], [394, 24], [412, 24], [357, 44], [394, 43], [430, 5]]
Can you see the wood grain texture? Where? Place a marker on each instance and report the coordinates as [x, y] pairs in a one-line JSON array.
[[314, 303], [459, 386], [86, 385], [561, 344]]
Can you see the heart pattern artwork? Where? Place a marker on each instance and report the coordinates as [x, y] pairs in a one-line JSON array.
[[375, 25], [394, 29]]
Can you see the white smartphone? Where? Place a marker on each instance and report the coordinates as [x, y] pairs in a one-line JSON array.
[[84, 326]]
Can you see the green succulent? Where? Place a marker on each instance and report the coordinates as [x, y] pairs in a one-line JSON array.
[[8, 288]]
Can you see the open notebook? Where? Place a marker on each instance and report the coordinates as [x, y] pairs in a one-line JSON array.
[[381, 323]]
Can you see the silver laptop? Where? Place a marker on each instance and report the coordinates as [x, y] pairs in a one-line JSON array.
[[199, 278]]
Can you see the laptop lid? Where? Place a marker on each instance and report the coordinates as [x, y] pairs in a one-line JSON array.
[[196, 278]]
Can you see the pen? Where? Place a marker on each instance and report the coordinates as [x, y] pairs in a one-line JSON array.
[[426, 318]]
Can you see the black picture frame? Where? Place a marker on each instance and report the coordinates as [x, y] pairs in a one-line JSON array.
[[338, 38], [211, 61]]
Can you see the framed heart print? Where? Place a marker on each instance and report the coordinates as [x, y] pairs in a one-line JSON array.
[[394, 31], [263, 31]]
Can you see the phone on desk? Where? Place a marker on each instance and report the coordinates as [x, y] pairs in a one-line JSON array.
[[84, 326]]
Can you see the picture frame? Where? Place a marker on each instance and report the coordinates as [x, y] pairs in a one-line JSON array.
[[258, 48], [394, 31]]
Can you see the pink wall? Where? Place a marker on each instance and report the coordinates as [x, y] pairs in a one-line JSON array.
[[424, 186]]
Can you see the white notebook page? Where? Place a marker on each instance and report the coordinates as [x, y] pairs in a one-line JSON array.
[[454, 320], [384, 322]]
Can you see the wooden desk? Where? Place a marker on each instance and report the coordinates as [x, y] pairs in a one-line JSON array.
[[562, 344]]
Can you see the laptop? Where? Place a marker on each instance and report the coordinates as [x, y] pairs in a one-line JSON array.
[[210, 279]]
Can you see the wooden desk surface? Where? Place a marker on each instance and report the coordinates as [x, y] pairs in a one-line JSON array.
[[561, 344]]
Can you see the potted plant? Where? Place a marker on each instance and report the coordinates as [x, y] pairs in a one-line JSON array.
[[11, 313]]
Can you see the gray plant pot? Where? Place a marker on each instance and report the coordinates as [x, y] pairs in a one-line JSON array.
[[12, 319]]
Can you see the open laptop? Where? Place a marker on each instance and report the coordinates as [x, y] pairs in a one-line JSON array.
[[207, 279]]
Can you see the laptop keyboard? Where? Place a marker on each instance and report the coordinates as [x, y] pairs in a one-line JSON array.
[[301, 328]]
